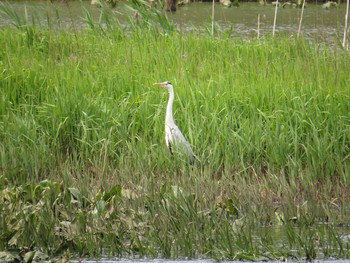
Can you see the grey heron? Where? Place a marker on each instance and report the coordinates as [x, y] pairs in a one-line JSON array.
[[174, 138]]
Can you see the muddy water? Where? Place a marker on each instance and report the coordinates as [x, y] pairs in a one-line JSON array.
[[243, 21], [246, 21]]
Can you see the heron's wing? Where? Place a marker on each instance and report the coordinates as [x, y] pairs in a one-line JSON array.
[[179, 140]]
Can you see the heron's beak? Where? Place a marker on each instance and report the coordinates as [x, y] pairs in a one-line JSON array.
[[160, 84]]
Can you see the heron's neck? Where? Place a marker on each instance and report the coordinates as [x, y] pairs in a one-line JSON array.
[[169, 119]]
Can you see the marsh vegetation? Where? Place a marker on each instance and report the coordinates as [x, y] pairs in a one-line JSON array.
[[83, 166]]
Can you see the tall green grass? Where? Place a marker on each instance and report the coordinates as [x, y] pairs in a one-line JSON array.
[[84, 165]]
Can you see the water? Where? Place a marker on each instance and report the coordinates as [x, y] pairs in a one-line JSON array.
[[317, 22], [322, 25]]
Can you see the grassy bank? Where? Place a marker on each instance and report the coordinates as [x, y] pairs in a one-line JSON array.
[[84, 166]]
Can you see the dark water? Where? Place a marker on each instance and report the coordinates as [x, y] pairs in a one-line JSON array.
[[322, 25]]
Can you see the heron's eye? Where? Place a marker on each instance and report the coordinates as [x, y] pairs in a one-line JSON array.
[[168, 82]]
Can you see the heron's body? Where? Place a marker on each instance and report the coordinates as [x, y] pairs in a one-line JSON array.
[[174, 138]]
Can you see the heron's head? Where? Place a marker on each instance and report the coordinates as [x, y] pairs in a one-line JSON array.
[[165, 84]]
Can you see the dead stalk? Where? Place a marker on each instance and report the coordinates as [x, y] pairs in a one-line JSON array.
[[258, 26], [301, 17], [345, 45], [274, 20], [212, 18]]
